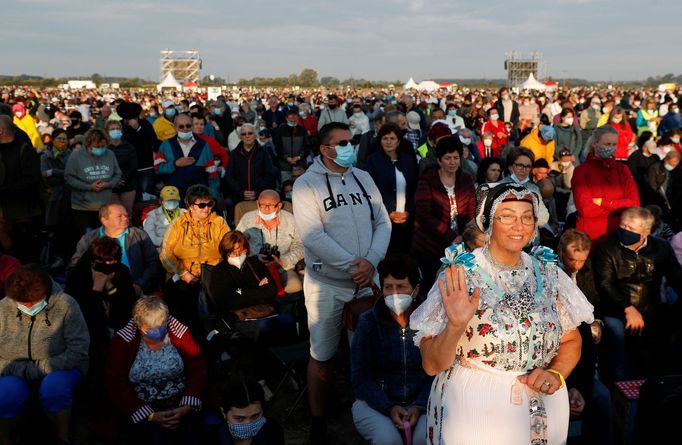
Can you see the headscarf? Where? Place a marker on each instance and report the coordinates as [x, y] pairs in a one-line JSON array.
[[489, 196]]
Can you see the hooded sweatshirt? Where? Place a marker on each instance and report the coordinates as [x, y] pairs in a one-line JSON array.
[[338, 223], [83, 170]]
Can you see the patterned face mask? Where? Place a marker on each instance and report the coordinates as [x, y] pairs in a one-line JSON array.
[[244, 431]]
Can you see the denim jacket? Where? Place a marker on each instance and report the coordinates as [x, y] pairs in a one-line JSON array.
[[386, 366]]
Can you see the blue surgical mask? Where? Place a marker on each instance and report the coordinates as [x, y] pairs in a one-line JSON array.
[[115, 134], [217, 111], [169, 112], [605, 152], [185, 135], [244, 431], [33, 310], [288, 196], [98, 151], [171, 205], [301, 113], [465, 141], [452, 112], [519, 181], [345, 156], [156, 334], [291, 124], [547, 132]]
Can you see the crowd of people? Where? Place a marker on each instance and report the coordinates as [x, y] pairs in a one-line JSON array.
[[515, 254]]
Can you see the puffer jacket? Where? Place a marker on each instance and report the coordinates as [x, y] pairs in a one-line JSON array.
[[189, 243], [55, 339], [625, 277], [386, 365]]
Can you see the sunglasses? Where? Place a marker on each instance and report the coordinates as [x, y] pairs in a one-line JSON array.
[[184, 127], [247, 134], [342, 143], [203, 205]]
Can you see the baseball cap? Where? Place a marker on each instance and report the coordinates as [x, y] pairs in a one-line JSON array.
[[167, 103], [413, 119]]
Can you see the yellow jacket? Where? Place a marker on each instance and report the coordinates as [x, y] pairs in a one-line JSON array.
[[164, 128], [538, 147], [603, 120], [189, 243], [27, 124]]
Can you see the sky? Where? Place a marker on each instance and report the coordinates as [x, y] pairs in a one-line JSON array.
[[373, 39]]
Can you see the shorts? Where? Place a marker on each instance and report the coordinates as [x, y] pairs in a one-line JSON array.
[[324, 303]]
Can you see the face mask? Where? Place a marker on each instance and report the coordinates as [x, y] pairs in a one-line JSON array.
[[331, 106], [667, 150], [494, 117], [115, 134], [169, 112], [152, 114], [674, 110], [291, 124], [517, 180], [596, 107], [505, 96], [605, 152], [244, 431], [33, 310], [289, 104], [171, 205], [617, 120], [465, 141], [669, 167], [452, 112], [186, 135], [287, 196], [104, 268], [236, 261], [345, 156], [627, 238], [156, 334], [268, 217], [546, 132], [398, 303], [98, 151], [675, 140], [566, 164], [301, 113], [217, 111], [487, 142], [568, 121]]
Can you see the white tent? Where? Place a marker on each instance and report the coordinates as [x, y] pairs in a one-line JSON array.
[[170, 82], [428, 85], [410, 85], [532, 84]]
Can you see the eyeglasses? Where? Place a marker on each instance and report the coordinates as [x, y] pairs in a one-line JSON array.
[[523, 166], [268, 206], [184, 127], [203, 205], [247, 134], [508, 220]]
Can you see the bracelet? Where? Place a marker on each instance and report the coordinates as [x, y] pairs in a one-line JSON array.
[[561, 377], [150, 417], [112, 291]]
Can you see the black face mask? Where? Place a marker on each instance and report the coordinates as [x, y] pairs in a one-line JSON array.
[[628, 238], [104, 268], [332, 106]]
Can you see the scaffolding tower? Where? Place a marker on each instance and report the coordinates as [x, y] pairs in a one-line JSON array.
[[519, 66], [184, 65]]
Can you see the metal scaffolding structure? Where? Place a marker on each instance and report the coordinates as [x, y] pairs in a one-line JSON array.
[[519, 66], [184, 65]]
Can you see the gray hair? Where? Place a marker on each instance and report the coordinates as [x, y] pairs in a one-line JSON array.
[[391, 117], [639, 213], [247, 125], [150, 312], [596, 136]]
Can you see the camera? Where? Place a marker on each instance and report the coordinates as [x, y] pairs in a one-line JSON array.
[[268, 251]]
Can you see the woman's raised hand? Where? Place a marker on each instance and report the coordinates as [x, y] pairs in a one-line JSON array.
[[459, 305]]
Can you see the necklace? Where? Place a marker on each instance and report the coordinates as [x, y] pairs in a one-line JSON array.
[[500, 266]]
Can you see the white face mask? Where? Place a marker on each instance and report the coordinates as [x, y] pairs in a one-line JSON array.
[[237, 261], [398, 303], [596, 107], [617, 120], [669, 167], [268, 217], [667, 150], [568, 121], [487, 142], [675, 140], [566, 163]]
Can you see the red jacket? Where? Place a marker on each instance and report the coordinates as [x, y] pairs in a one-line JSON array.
[[120, 358], [432, 232], [494, 128], [495, 151], [309, 123], [613, 183], [624, 138], [217, 150]]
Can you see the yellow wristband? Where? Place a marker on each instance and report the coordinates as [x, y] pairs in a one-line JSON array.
[[561, 377], [150, 417], [112, 291]]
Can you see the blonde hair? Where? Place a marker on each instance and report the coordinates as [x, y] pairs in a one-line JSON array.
[[150, 312]]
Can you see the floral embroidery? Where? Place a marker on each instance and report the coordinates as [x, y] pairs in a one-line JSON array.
[[483, 329]]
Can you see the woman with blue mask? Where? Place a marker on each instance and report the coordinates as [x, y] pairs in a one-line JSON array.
[[91, 173], [390, 385], [155, 376], [541, 140], [43, 352], [602, 187], [242, 405], [126, 156]]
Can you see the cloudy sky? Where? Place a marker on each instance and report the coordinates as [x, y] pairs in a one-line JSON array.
[[374, 39]]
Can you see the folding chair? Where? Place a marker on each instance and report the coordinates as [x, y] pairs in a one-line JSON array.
[[293, 358]]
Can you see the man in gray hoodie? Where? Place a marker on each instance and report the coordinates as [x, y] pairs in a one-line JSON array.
[[345, 231]]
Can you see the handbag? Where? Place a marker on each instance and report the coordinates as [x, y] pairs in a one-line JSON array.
[[357, 306]]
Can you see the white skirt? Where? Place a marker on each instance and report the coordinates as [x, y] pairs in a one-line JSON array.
[[477, 409]]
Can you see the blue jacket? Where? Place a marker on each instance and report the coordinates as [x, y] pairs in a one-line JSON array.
[[382, 170], [386, 366], [670, 122], [184, 177]]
